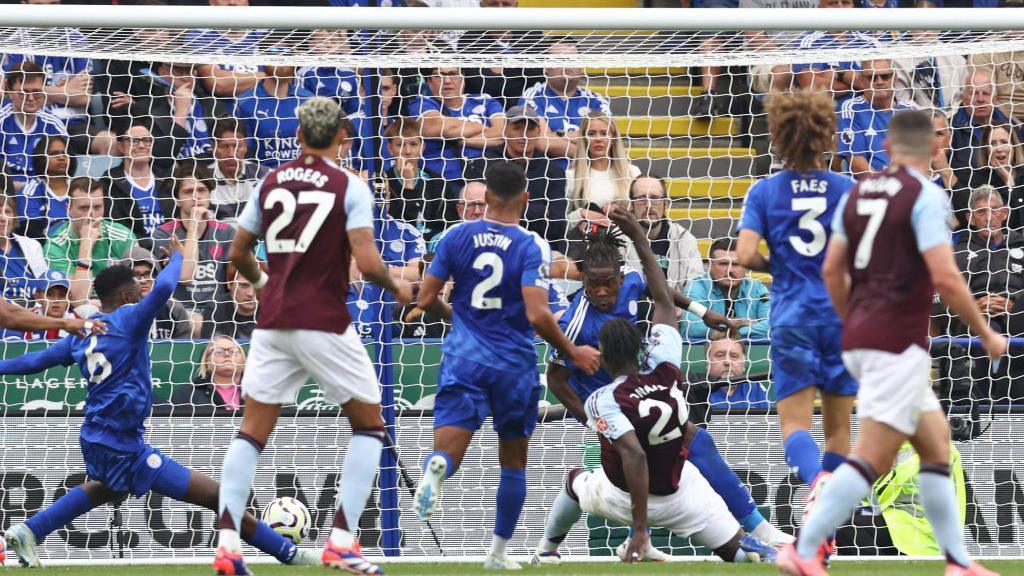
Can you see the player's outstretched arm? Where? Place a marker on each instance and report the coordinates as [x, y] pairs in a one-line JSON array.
[[14, 317], [657, 285], [634, 468], [372, 267], [557, 377], [951, 287], [835, 273], [58, 354], [538, 312], [430, 299], [747, 252]]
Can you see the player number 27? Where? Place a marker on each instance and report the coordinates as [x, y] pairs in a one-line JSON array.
[[812, 208], [479, 299], [874, 209], [658, 435], [324, 203]]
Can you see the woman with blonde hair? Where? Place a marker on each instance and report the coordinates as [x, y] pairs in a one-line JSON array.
[[600, 174], [218, 383]]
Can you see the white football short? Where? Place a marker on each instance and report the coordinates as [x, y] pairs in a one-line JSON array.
[[694, 510], [895, 389], [282, 361]]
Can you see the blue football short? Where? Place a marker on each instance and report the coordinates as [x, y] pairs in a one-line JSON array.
[[467, 392], [136, 472], [805, 356]]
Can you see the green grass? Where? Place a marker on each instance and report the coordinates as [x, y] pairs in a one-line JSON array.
[[868, 568]]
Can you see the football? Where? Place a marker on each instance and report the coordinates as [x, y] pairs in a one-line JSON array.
[[288, 517]]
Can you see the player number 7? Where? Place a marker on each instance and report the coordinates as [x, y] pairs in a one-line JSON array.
[[874, 209]]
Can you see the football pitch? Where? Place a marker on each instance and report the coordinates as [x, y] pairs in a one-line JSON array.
[[841, 568]]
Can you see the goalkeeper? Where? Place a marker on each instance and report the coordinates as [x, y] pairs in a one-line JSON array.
[[612, 291], [120, 396]]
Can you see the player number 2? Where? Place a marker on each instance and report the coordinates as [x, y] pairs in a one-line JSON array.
[[658, 435], [99, 366], [479, 297], [811, 208], [324, 203], [874, 209]]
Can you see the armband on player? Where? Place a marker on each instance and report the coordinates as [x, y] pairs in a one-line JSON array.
[[262, 281], [697, 308]]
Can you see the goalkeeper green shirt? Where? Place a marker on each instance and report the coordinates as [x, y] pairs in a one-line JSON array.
[[899, 499], [114, 244]]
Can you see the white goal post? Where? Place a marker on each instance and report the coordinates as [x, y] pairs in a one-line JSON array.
[[681, 94]]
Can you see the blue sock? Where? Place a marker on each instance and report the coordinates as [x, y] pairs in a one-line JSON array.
[[447, 458], [265, 539], [704, 455], [803, 455], [511, 496], [751, 521], [68, 507], [831, 460]]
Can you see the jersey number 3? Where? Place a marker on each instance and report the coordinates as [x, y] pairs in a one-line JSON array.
[[479, 299], [812, 208], [324, 203]]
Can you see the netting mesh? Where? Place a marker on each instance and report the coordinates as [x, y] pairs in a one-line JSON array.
[[116, 139]]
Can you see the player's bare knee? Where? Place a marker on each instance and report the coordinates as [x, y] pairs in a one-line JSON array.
[[99, 494], [363, 416], [512, 453]]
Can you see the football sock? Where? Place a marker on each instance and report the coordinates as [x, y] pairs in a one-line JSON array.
[[831, 460], [704, 455], [235, 484], [803, 455], [65, 509], [498, 545], [940, 506], [511, 496], [565, 512], [266, 540], [358, 474], [447, 458], [850, 484]]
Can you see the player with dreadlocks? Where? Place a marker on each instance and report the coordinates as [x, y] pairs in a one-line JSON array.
[[643, 463], [611, 291]]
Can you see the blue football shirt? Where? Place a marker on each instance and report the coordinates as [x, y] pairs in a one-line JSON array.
[[19, 142], [58, 70], [862, 129], [793, 212], [272, 123], [564, 114], [37, 201], [445, 156], [116, 366], [149, 205], [339, 84], [582, 324], [490, 264]]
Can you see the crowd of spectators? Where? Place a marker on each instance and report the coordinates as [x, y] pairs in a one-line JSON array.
[[105, 161]]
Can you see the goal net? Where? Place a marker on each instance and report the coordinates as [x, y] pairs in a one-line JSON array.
[[123, 126]]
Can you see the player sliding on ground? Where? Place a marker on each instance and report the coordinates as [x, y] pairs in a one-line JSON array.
[[316, 217], [890, 253], [644, 477], [120, 395], [490, 363], [793, 210], [612, 291]]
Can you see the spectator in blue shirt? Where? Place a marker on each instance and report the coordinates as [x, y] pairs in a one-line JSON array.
[[136, 195], [728, 290], [364, 159], [23, 122], [417, 197], [23, 264], [68, 84], [977, 110], [269, 114], [836, 77], [457, 127], [562, 106], [727, 369], [43, 203], [864, 120], [227, 80], [339, 84]]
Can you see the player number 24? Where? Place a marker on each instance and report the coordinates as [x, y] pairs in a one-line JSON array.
[[324, 203], [658, 435]]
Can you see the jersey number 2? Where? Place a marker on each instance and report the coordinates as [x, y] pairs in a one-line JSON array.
[[658, 435], [324, 203], [479, 297], [811, 208]]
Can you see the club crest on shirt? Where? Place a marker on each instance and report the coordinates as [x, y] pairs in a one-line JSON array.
[[601, 425]]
